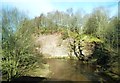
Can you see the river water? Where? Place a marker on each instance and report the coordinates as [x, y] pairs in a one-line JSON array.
[[72, 70], [69, 70]]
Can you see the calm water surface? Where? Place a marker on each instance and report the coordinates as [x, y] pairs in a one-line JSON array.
[[72, 70]]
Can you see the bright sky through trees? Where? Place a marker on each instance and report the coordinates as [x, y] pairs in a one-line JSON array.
[[36, 7]]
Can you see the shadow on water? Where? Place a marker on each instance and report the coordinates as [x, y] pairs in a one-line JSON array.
[[29, 79]]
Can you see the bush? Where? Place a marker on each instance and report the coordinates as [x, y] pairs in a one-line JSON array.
[[17, 52], [15, 60]]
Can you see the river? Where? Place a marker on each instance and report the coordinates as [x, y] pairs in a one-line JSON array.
[[72, 70], [69, 70]]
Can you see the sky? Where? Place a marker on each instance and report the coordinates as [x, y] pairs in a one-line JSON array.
[[35, 7]]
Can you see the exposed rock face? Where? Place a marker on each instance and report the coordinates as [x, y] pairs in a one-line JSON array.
[[82, 49], [87, 49]]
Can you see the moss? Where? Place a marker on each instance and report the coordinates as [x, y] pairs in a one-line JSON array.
[[89, 38], [73, 34]]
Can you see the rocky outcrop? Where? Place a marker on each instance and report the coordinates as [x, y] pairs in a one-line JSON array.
[[82, 49], [87, 49]]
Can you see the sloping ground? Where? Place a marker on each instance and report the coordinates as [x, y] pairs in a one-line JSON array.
[[52, 45]]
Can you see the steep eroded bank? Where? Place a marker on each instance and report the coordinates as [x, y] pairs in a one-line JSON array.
[[52, 45]]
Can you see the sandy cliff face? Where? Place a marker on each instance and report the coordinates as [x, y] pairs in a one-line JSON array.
[[53, 45]]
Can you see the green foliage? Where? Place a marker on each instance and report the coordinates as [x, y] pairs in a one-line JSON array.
[[96, 22], [91, 26], [113, 33], [17, 47], [101, 54], [64, 33], [90, 38]]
